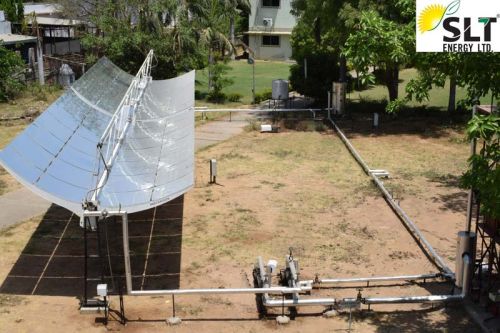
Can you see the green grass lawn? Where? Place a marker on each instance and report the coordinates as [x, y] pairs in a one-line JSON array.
[[438, 97], [241, 74]]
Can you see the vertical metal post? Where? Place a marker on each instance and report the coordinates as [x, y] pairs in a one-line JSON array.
[[283, 305], [39, 55], [471, 193], [253, 84], [329, 104], [350, 318], [99, 250], [69, 39], [173, 305], [85, 270], [126, 253]]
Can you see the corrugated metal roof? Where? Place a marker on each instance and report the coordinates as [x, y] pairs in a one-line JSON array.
[[41, 8], [55, 21], [9, 39]]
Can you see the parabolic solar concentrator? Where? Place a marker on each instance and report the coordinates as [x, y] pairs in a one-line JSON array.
[[112, 142]]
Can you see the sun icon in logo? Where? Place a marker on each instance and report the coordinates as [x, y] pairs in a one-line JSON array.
[[432, 16]]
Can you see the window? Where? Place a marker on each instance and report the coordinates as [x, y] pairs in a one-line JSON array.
[[270, 3], [270, 40]]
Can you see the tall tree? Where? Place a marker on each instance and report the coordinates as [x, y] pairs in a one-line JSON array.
[[235, 8], [128, 29], [478, 73], [383, 38], [14, 10]]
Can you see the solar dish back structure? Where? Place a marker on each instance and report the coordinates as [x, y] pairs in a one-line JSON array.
[[113, 140]]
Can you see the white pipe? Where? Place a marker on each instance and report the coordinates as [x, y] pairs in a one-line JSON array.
[[318, 282], [399, 211], [273, 303], [412, 227], [126, 254], [258, 110], [426, 299], [270, 290]]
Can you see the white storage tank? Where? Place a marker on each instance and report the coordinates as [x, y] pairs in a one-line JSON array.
[[66, 76], [280, 90]]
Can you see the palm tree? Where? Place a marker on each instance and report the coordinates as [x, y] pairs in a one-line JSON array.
[[234, 7]]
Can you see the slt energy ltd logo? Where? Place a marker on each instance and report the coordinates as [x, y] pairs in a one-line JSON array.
[[458, 26]]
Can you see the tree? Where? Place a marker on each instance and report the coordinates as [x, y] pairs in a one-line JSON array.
[[378, 42], [10, 66], [322, 63], [319, 39], [483, 175], [326, 22], [478, 73], [128, 29], [14, 10], [235, 7], [434, 69]]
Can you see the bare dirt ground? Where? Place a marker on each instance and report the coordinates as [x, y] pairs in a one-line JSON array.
[[299, 190]]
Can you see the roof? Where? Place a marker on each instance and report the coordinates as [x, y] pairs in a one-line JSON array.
[[273, 33], [55, 21], [41, 8], [9, 39]]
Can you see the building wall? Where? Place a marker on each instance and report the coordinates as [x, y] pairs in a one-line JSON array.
[[282, 52], [282, 19], [283, 22]]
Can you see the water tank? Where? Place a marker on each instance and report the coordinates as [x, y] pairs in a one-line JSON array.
[[66, 76], [280, 89]]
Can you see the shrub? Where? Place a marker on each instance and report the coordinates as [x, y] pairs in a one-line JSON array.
[[218, 83], [199, 95], [234, 97], [216, 97], [320, 127], [322, 70], [263, 96], [10, 66], [253, 125]]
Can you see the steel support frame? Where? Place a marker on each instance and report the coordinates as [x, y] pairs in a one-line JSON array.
[[128, 270]]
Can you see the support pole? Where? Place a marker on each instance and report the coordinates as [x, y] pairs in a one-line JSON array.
[[39, 55], [85, 270], [470, 198], [126, 254]]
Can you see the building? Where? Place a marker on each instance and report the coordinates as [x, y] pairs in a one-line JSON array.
[[270, 27], [60, 35], [15, 42]]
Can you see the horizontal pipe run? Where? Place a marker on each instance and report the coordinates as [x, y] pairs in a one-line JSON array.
[[399, 211], [425, 299], [413, 299], [240, 291], [258, 110], [275, 303], [376, 279]]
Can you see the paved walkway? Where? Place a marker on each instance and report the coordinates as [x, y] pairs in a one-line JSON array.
[[22, 204]]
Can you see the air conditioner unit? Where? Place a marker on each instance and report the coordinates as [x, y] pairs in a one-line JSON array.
[[268, 22]]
